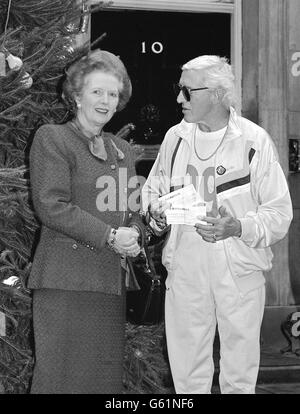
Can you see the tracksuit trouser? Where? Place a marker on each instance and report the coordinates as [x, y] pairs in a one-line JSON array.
[[202, 295]]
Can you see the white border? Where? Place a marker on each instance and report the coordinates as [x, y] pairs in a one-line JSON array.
[[196, 6]]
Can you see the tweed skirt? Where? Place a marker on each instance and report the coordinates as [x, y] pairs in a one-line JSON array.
[[79, 342]]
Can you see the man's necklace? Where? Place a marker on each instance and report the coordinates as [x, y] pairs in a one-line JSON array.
[[214, 152]]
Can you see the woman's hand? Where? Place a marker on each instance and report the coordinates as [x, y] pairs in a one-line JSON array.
[[124, 241], [127, 241]]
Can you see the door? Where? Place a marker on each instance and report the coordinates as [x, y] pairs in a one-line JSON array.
[[154, 45]]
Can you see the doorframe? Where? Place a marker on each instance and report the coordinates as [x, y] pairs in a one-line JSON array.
[[232, 7]]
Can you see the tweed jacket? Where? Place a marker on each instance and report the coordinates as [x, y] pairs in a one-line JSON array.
[[69, 187]]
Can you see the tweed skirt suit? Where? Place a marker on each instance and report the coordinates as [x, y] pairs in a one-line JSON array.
[[77, 282]]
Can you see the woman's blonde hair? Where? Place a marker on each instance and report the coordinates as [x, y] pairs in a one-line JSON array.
[[96, 60]]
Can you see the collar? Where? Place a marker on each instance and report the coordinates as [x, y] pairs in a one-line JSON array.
[[185, 130], [96, 144], [97, 148]]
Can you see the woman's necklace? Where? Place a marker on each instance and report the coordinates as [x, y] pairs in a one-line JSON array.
[[210, 156]]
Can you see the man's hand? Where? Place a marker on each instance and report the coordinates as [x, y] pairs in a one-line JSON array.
[[157, 212], [220, 228]]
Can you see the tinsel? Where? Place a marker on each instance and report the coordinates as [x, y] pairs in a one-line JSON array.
[[40, 33]]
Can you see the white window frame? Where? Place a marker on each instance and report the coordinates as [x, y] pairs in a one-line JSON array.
[[232, 7]]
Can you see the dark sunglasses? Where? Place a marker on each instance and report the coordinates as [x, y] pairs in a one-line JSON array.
[[186, 92]]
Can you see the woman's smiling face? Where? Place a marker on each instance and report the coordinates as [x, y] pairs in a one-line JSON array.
[[99, 99]]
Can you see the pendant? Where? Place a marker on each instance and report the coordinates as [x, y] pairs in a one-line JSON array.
[[221, 170]]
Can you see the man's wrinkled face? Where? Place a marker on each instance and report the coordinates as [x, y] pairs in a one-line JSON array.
[[200, 104]]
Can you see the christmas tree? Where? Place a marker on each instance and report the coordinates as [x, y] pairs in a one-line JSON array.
[[38, 38]]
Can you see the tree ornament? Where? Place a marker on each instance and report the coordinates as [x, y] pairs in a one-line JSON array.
[[14, 62], [11, 281], [27, 80], [67, 49], [72, 28], [85, 17], [2, 64], [138, 354]]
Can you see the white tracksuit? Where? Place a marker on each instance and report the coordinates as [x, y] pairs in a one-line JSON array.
[[221, 283]]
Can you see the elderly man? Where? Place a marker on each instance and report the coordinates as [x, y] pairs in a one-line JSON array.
[[215, 267]]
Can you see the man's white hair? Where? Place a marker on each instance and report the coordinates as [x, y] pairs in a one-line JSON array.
[[218, 75]]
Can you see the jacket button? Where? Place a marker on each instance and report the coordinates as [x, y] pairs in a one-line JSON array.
[[113, 167], [75, 246]]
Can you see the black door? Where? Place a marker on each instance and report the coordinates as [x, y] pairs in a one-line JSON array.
[[154, 45]]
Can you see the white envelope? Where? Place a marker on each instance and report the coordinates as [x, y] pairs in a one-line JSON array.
[[185, 206], [185, 196], [188, 216]]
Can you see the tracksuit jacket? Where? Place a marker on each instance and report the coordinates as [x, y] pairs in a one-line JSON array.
[[253, 189]]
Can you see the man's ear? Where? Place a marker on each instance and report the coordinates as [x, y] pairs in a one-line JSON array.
[[214, 97], [219, 95]]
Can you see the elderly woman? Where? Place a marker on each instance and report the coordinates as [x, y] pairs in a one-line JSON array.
[[77, 278]]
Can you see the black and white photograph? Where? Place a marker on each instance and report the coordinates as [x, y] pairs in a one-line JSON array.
[[150, 200]]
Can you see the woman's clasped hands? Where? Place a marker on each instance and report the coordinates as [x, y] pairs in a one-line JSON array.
[[124, 241]]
